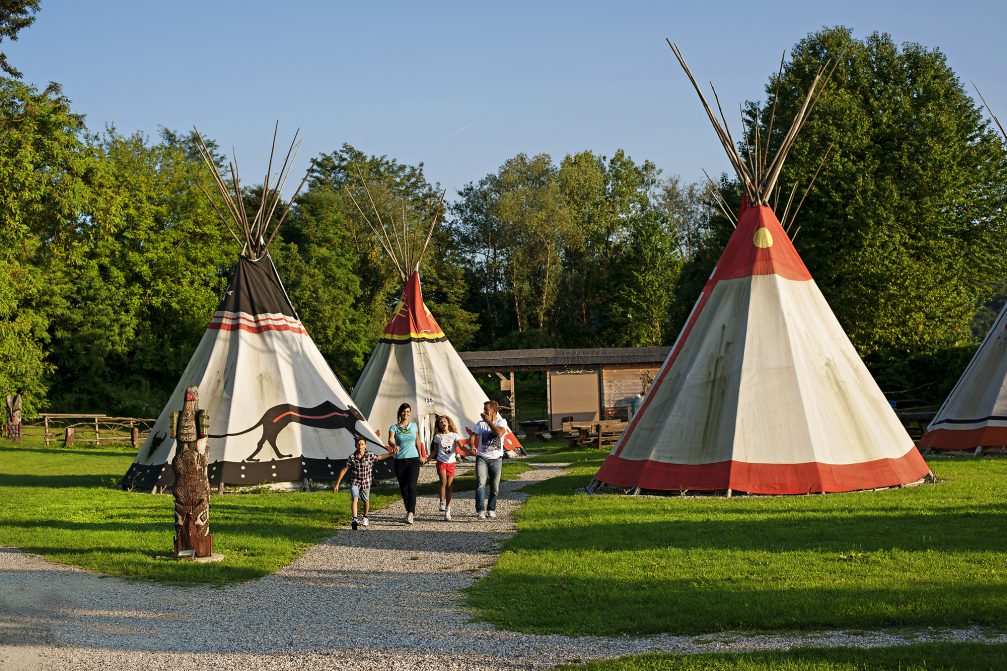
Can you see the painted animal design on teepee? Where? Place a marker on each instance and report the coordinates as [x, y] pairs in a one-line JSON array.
[[325, 415], [257, 369]]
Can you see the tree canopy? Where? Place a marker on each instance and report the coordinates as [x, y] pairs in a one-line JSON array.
[[112, 259], [908, 206]]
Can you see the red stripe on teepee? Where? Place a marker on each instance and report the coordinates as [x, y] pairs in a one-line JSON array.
[[965, 439], [411, 318], [763, 478]]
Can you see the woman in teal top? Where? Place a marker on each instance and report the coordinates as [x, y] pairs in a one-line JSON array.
[[403, 436]]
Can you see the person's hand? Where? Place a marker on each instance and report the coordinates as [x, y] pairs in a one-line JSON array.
[[335, 488], [484, 417]]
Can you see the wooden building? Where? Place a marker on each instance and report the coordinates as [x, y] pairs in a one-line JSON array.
[[581, 384]]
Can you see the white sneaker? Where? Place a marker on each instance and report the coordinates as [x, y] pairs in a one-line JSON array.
[[492, 514], [409, 518], [482, 514], [447, 514], [366, 522], [444, 506]]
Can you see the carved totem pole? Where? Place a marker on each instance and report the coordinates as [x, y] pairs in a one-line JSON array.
[[192, 489]]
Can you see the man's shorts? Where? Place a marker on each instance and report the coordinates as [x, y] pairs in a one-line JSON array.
[[362, 493], [446, 468]]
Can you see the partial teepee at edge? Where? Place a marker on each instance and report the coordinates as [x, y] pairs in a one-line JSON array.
[[974, 415], [414, 362], [276, 411], [762, 392]]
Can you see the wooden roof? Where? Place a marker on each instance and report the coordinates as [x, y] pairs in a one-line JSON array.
[[544, 359]]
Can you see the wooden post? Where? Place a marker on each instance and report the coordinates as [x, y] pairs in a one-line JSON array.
[[97, 438], [68, 437], [220, 485], [134, 436], [45, 418], [513, 400]]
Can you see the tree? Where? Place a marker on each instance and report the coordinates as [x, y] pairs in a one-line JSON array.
[[514, 227], [908, 206], [362, 191], [317, 265], [146, 266], [47, 174], [614, 292], [15, 16]]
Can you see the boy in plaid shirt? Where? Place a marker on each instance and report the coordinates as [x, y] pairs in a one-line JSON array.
[[361, 463]]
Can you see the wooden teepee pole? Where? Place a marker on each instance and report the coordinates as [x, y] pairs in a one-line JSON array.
[[996, 119], [437, 213], [258, 221], [381, 238]]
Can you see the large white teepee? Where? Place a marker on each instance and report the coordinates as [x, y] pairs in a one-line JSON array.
[[413, 361], [974, 415], [276, 411], [762, 392]]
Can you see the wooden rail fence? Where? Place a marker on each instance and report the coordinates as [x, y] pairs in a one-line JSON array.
[[89, 428]]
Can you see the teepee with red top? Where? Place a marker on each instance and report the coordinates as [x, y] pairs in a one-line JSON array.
[[762, 392], [415, 363]]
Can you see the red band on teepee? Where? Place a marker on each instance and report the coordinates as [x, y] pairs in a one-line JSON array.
[[965, 439], [757, 478], [412, 320]]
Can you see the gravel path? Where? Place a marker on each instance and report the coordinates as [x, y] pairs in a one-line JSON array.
[[387, 598]]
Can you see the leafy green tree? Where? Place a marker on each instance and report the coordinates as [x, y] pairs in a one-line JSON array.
[[908, 207], [515, 226], [147, 265], [47, 174], [317, 266], [360, 184], [613, 292]]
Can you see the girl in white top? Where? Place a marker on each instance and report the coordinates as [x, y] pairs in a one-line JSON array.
[[443, 444]]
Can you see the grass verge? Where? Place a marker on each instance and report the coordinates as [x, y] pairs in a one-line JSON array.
[[611, 564], [63, 504], [919, 657]]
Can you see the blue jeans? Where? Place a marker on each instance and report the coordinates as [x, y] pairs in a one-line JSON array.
[[487, 472]]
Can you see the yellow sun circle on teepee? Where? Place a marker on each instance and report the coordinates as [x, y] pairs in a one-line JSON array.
[[763, 238]]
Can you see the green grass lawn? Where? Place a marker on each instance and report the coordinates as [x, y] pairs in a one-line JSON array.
[[63, 504], [612, 564], [921, 657]]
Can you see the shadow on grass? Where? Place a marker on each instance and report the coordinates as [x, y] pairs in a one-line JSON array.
[[72, 451], [695, 606], [979, 528], [57, 481]]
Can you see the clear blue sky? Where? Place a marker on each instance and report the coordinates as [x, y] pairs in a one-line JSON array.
[[460, 86]]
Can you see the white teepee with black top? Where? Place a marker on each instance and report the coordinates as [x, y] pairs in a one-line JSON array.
[[276, 411]]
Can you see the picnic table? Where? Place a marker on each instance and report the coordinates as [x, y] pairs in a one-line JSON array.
[[593, 434]]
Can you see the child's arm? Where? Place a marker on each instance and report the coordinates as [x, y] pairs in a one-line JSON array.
[[386, 455], [340, 478]]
